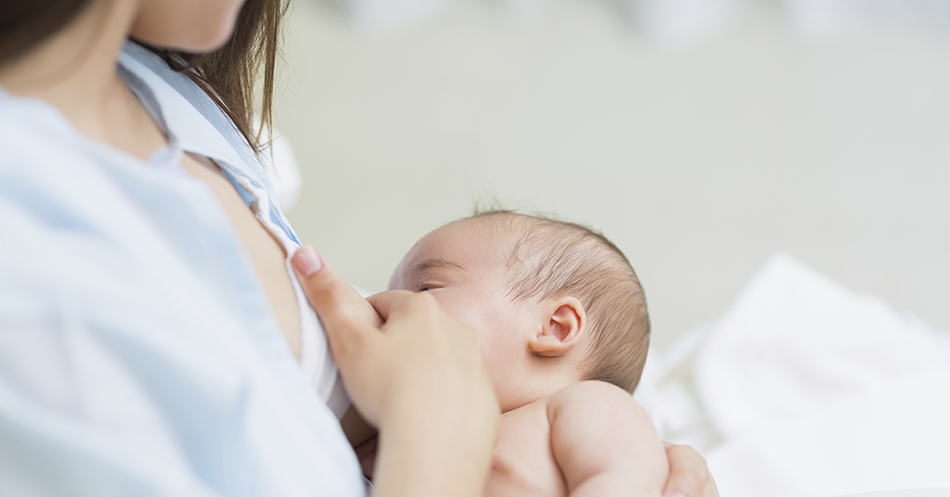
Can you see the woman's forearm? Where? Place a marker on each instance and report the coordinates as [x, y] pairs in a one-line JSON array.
[[433, 461]]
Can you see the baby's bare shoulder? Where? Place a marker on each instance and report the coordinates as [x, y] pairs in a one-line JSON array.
[[602, 439], [591, 397], [595, 409]]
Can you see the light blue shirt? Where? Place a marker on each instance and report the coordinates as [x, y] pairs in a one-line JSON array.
[[138, 352]]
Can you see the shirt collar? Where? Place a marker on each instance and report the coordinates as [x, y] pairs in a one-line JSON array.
[[191, 120]]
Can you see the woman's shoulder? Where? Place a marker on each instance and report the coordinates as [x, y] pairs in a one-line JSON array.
[[34, 135]]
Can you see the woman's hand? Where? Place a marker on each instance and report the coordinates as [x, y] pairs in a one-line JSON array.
[[689, 476], [416, 374]]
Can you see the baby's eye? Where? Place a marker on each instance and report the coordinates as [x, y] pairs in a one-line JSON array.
[[425, 286]]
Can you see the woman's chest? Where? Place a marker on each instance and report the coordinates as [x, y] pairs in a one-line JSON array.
[[266, 253], [522, 462]]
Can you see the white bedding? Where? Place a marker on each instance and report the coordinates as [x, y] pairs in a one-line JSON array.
[[804, 388]]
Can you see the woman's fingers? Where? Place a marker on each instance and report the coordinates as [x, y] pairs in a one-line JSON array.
[[384, 302], [417, 375], [689, 475], [347, 317], [392, 304]]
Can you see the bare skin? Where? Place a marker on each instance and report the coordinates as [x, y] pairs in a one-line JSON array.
[[521, 460], [587, 440], [559, 435], [446, 425]]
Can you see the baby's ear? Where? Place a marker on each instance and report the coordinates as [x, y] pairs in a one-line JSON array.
[[561, 329]]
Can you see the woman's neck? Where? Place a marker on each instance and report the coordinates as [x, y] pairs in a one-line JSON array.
[[75, 71]]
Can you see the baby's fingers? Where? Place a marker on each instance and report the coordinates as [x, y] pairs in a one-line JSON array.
[[348, 319]]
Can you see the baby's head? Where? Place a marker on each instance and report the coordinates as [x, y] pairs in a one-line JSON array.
[[556, 303]]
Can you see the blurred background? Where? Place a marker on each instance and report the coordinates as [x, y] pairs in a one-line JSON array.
[[702, 136]]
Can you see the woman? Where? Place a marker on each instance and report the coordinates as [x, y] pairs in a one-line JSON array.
[[152, 328]]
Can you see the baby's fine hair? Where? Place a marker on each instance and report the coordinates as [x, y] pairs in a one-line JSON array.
[[554, 258]]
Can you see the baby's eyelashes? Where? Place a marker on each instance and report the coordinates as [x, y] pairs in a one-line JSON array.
[[425, 286]]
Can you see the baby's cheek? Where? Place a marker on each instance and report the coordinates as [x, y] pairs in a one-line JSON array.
[[451, 306]]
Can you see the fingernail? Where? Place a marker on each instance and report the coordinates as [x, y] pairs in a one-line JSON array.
[[675, 494], [307, 260]]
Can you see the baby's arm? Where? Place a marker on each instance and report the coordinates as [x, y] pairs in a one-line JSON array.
[[604, 442]]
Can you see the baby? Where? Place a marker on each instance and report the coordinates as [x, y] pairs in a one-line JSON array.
[[565, 331]]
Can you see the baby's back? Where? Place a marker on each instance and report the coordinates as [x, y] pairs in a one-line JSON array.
[[588, 439]]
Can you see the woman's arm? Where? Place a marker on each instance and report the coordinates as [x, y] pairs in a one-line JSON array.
[[417, 375]]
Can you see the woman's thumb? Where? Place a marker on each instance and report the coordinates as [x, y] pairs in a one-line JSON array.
[[342, 309]]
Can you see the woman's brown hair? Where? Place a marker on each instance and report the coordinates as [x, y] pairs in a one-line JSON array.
[[229, 75]]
